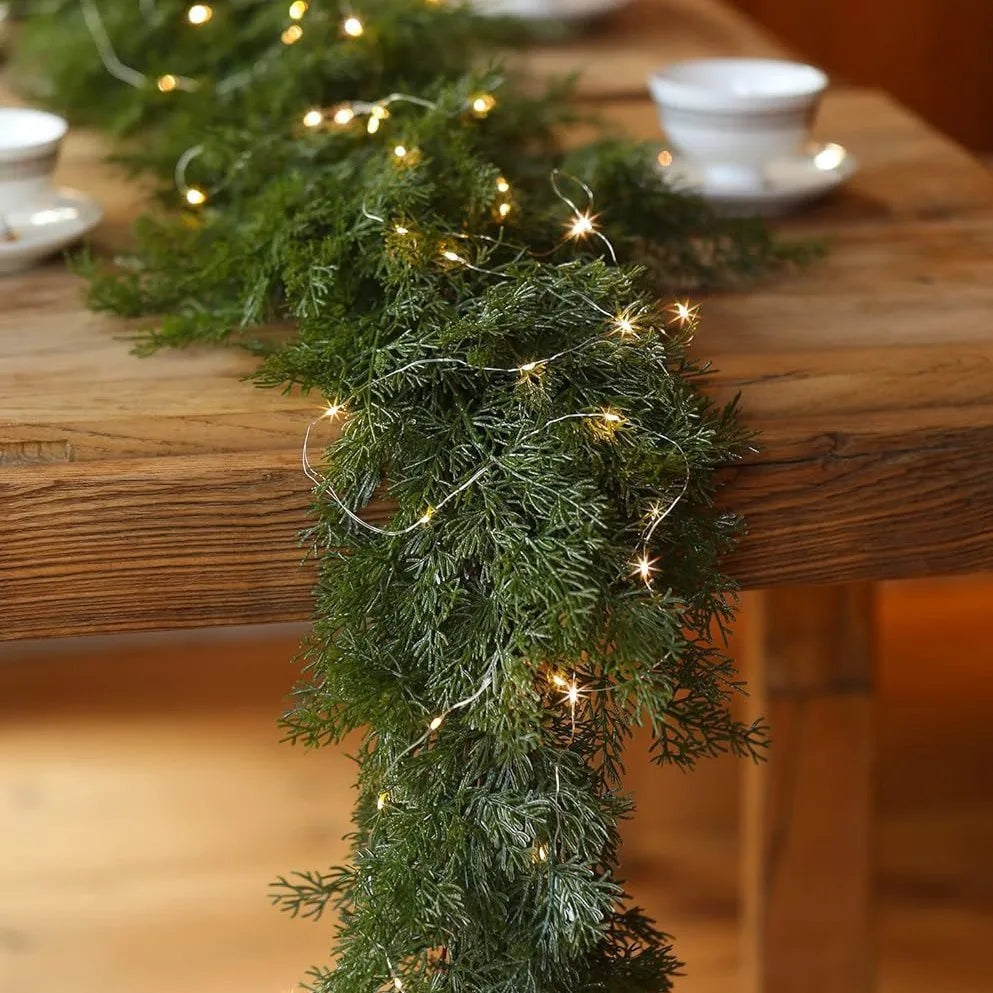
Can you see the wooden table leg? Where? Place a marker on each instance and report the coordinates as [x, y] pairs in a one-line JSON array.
[[807, 816]]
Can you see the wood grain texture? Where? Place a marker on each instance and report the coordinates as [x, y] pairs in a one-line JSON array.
[[807, 871], [869, 377]]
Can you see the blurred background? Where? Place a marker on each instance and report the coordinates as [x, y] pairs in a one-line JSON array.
[[145, 803], [934, 56]]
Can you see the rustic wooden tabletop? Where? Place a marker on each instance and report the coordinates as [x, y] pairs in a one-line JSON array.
[[166, 492]]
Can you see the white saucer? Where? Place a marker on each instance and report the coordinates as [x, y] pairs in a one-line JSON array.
[[547, 10], [46, 226], [787, 183]]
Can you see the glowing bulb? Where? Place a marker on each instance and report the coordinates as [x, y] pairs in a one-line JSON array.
[[528, 367], [292, 34], [400, 229], [664, 158], [400, 151], [502, 185], [343, 116], [683, 312], [643, 568], [611, 418], [572, 694], [200, 13], [195, 197], [381, 800], [435, 723], [581, 226], [830, 157], [313, 119], [352, 26], [372, 125], [504, 209], [333, 410], [482, 104], [541, 853], [559, 680], [297, 9], [425, 518], [452, 256], [625, 324], [166, 83]]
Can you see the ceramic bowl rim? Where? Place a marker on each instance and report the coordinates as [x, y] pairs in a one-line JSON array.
[[670, 91], [47, 142]]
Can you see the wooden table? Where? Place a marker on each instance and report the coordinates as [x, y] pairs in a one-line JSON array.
[[164, 492]]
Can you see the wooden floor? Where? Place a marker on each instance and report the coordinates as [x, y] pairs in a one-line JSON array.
[[145, 803]]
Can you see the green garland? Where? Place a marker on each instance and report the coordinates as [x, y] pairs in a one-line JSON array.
[[550, 577]]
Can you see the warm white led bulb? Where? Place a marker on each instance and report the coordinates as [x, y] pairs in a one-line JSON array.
[[195, 197], [343, 115], [581, 226], [313, 119], [292, 34], [297, 9], [400, 151], [435, 723], [502, 185], [504, 209], [200, 13], [352, 26], [166, 83]]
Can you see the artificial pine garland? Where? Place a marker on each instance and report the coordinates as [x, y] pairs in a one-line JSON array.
[[501, 372]]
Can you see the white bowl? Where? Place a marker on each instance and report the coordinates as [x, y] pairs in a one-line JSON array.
[[29, 148], [737, 114]]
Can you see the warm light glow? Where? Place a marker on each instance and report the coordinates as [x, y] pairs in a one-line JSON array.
[[377, 115], [195, 197], [400, 229], [381, 800], [292, 34], [611, 418], [830, 157], [166, 83], [333, 409], [313, 119], [502, 185], [559, 680], [397, 983], [644, 567], [425, 518], [504, 209], [483, 104], [529, 367], [572, 694], [541, 853], [581, 226], [199, 13], [451, 256], [400, 151], [435, 723], [683, 311], [665, 158], [625, 324], [343, 115], [352, 26], [297, 9]]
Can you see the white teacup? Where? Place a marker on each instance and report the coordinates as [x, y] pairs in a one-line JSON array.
[[29, 148], [734, 116]]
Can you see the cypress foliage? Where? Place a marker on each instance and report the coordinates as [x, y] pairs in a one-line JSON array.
[[549, 576]]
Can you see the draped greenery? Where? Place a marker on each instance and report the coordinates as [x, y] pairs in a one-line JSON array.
[[520, 559]]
